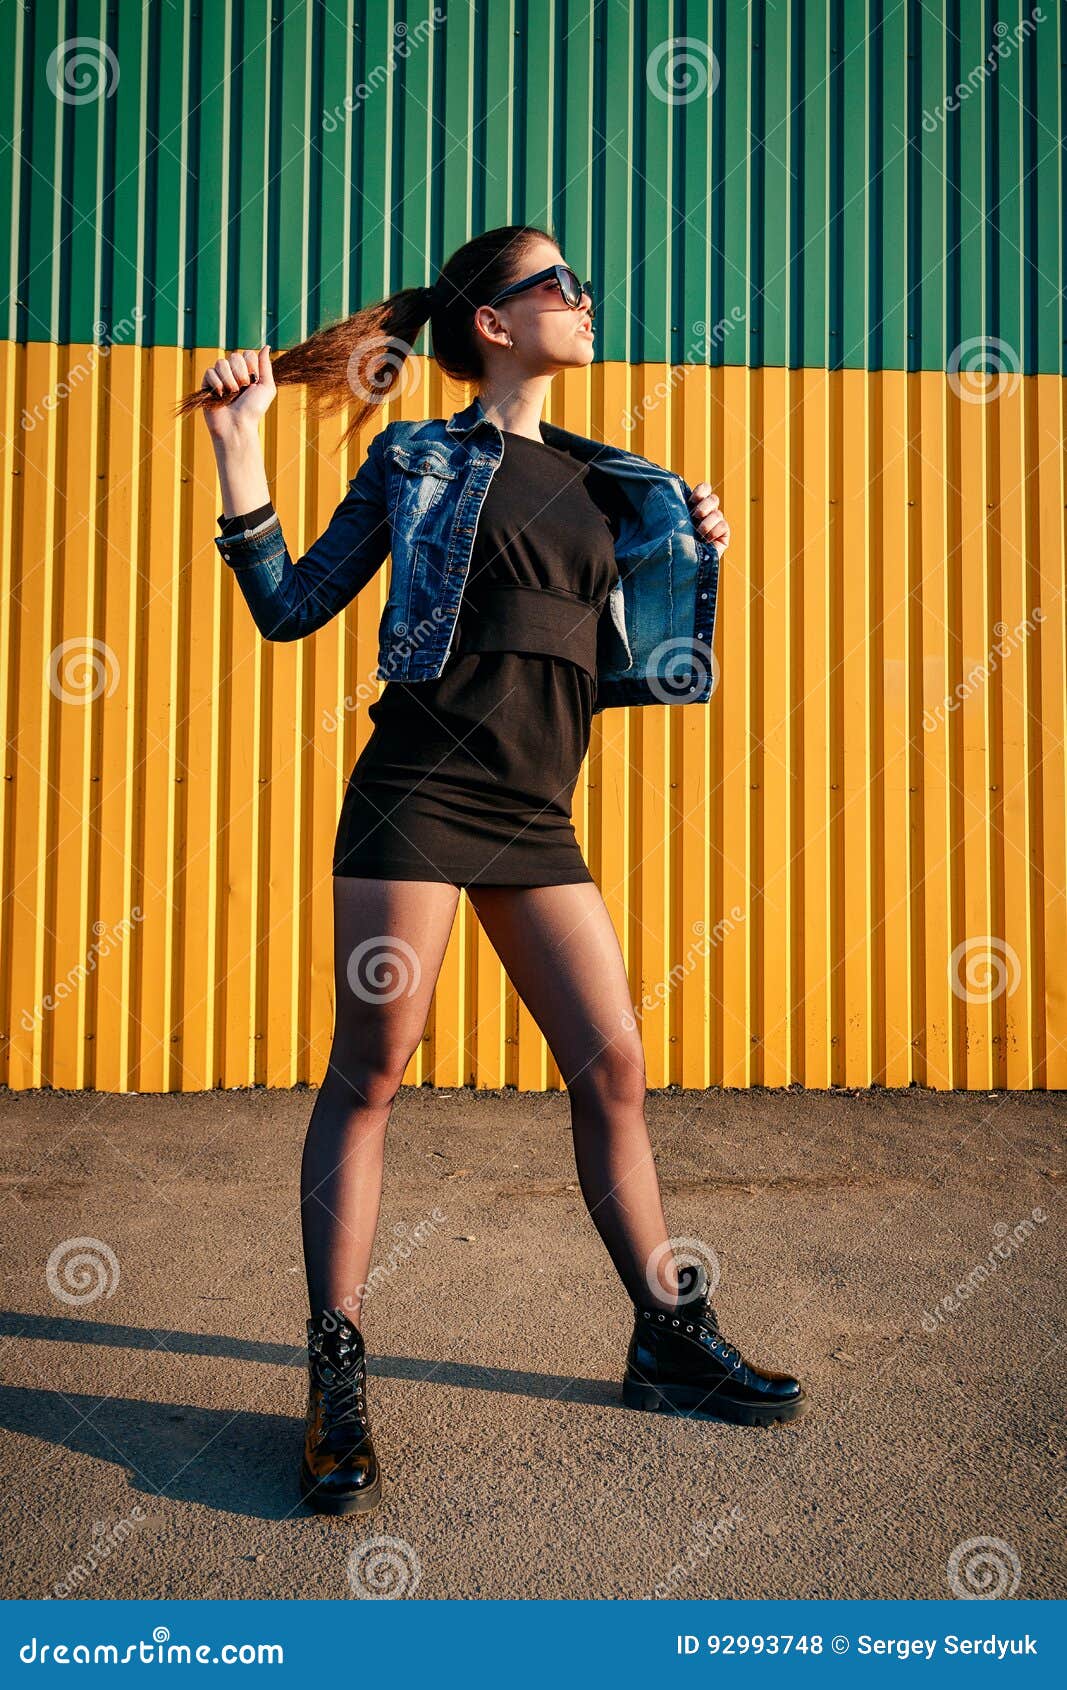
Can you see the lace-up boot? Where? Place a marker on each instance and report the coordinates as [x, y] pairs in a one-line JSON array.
[[681, 1363], [339, 1472]]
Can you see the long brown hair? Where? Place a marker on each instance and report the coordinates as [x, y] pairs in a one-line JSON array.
[[361, 358]]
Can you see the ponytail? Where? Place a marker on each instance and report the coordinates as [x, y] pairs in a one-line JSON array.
[[360, 360]]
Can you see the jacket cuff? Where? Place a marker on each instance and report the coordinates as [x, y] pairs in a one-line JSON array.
[[248, 522], [245, 549]]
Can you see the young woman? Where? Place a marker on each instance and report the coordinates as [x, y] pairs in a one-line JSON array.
[[467, 781]]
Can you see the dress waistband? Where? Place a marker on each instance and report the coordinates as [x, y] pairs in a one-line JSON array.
[[512, 616]]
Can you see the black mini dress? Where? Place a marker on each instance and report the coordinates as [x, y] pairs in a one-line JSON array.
[[469, 777]]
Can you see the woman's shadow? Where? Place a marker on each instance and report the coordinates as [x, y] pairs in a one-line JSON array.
[[237, 1460]]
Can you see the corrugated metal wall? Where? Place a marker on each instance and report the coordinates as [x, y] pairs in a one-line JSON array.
[[850, 867]]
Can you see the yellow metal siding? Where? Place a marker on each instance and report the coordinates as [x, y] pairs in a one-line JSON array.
[[792, 870]]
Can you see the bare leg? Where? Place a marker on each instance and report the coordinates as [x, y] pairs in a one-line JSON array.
[[390, 938], [562, 954]]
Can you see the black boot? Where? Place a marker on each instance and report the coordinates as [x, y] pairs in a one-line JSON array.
[[682, 1363], [339, 1472]]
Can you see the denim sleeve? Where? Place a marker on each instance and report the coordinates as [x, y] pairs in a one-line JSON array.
[[290, 600]]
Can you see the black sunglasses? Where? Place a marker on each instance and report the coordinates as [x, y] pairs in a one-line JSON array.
[[571, 289]]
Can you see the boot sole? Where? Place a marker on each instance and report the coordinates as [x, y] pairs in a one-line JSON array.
[[692, 1401], [325, 1502]]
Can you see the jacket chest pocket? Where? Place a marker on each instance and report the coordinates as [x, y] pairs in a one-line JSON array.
[[421, 478]]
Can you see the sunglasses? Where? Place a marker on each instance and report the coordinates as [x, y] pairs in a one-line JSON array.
[[571, 289]]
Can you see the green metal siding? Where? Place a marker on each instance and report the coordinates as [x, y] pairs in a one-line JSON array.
[[804, 202]]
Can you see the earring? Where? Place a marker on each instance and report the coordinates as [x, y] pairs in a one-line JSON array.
[[510, 341]]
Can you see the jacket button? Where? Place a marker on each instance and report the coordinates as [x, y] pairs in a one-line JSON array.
[[703, 595], [226, 555]]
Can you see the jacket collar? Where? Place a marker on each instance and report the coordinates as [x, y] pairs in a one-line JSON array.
[[465, 421], [628, 466]]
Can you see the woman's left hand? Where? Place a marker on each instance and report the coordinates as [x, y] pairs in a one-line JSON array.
[[707, 518]]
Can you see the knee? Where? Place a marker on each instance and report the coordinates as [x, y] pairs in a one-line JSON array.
[[370, 1078], [614, 1079]]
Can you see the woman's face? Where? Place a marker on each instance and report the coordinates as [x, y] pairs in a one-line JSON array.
[[547, 333]]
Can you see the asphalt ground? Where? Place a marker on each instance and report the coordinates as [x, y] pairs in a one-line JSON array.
[[901, 1252]]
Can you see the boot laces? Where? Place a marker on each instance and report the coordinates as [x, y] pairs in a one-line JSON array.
[[710, 1321], [342, 1382], [342, 1400]]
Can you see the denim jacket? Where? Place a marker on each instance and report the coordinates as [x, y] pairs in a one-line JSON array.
[[418, 494]]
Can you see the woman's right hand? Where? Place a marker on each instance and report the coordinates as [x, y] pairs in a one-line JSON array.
[[244, 383]]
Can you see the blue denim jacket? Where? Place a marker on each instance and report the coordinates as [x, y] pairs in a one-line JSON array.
[[418, 494]]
